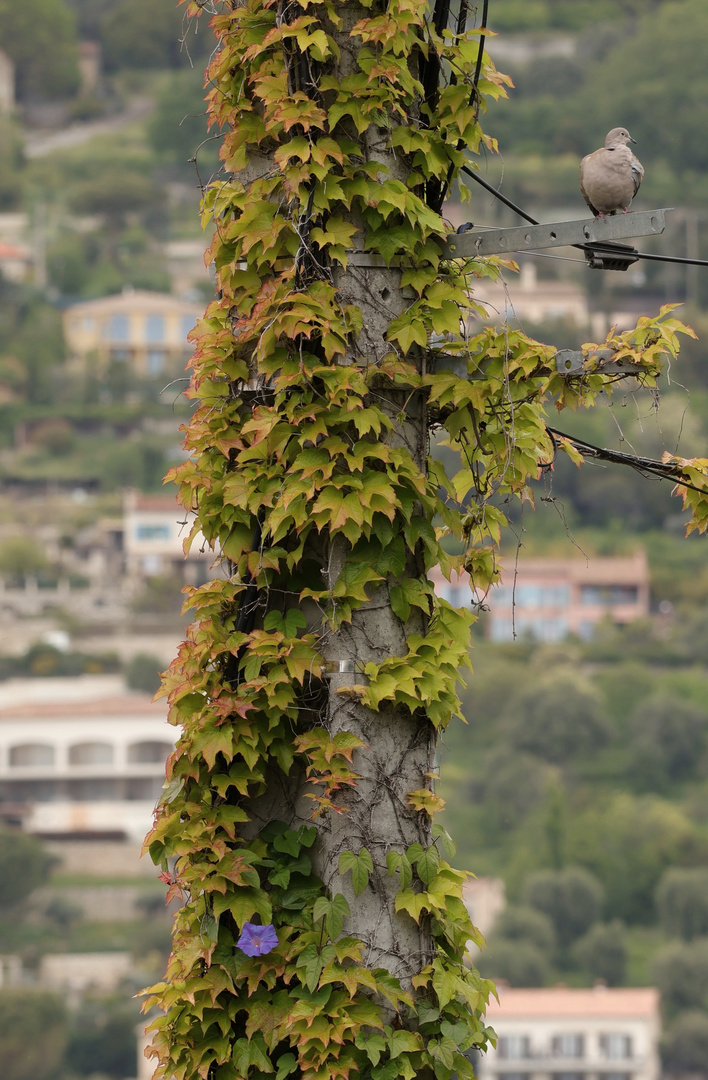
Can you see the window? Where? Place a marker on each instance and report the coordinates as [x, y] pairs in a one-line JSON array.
[[615, 1076], [513, 1076], [152, 532], [615, 1046], [609, 595], [31, 754], [569, 1046], [514, 1046], [117, 328], [149, 753], [144, 788], [103, 790], [155, 361], [188, 324], [91, 753], [542, 596], [154, 329]]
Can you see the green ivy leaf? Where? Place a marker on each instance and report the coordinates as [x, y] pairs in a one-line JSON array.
[[287, 1063], [361, 866]]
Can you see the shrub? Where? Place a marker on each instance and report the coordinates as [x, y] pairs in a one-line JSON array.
[[682, 902], [517, 962], [143, 673], [681, 973], [24, 865], [525, 924], [32, 1034], [557, 719], [571, 899], [685, 1048], [602, 952]]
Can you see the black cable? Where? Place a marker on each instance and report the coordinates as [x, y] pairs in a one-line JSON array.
[[662, 470], [498, 195], [598, 246], [482, 38], [474, 96]]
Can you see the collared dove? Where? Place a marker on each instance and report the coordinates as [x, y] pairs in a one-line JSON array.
[[610, 177]]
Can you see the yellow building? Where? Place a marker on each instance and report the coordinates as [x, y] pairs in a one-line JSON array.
[[146, 330]]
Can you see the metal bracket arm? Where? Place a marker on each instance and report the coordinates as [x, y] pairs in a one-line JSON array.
[[557, 234]]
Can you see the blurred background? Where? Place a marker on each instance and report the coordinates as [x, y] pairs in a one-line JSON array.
[[578, 791]]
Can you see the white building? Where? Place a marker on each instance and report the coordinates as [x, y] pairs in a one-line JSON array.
[[522, 299], [485, 899], [81, 758], [154, 530], [7, 84], [562, 1034]]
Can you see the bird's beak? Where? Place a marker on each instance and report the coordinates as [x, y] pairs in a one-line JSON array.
[[632, 140]]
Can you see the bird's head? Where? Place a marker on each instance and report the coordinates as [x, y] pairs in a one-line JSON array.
[[619, 136]]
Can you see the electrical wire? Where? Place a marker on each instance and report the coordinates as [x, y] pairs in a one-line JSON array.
[[663, 470], [596, 247], [474, 93]]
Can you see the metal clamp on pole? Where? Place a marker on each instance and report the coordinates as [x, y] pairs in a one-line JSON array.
[[558, 234], [572, 362], [610, 256]]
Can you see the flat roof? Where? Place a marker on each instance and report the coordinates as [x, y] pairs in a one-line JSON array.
[[640, 1002], [99, 708], [135, 301]]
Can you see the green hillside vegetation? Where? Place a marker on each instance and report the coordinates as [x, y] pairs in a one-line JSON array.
[[562, 108], [581, 779]]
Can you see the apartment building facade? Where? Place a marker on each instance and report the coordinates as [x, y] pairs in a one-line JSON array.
[[567, 1034], [547, 599]]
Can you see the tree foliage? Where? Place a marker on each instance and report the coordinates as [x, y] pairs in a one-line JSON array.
[[39, 36], [682, 902], [684, 1049], [24, 865], [557, 719], [602, 952], [668, 739], [680, 970], [570, 898], [32, 1033], [148, 34]]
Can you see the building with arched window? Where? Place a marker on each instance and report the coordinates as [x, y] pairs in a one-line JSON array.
[[81, 757], [146, 331]]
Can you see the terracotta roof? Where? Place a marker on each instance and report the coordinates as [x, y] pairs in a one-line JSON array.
[[162, 503], [11, 251], [134, 301], [126, 705], [596, 570], [559, 1001]]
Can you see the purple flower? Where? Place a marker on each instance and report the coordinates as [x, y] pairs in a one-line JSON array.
[[257, 940]]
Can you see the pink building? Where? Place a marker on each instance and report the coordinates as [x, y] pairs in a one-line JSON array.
[[547, 598]]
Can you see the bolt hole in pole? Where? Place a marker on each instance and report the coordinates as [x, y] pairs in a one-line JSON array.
[[385, 294], [586, 233], [527, 238], [553, 236]]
